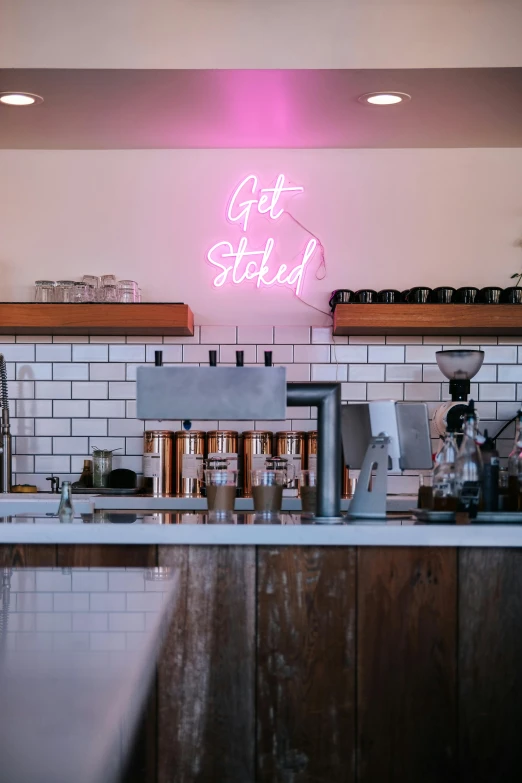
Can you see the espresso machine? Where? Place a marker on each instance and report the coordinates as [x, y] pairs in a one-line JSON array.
[[245, 394], [459, 366]]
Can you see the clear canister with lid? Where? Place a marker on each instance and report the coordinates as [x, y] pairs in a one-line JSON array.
[[190, 451], [291, 446], [44, 291], [158, 462], [101, 466], [257, 447]]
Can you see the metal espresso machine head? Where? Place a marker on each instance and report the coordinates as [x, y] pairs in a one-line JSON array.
[[243, 394]]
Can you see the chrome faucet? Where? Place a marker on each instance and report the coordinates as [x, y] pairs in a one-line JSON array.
[[6, 456]]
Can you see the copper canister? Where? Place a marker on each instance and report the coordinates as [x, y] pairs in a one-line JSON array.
[[190, 450], [223, 443], [257, 447], [346, 484], [291, 446], [158, 462]]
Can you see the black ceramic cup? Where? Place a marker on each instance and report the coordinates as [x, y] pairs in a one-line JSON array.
[[490, 295], [442, 295], [366, 296], [467, 295], [512, 295], [419, 295], [389, 296], [404, 294], [341, 296]]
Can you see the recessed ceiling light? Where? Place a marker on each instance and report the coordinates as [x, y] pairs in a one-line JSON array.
[[384, 98], [19, 98]]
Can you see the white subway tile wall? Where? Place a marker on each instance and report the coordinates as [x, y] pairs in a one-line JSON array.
[[69, 394]]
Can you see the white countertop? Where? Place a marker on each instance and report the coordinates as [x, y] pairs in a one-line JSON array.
[[191, 529]]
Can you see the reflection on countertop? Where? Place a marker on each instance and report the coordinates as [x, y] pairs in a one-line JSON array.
[[79, 647], [124, 517]]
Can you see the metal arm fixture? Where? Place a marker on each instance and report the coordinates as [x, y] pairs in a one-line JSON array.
[[327, 398]]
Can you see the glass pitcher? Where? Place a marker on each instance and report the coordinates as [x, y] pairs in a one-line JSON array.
[[284, 466]]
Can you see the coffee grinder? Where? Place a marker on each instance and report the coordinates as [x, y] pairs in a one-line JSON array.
[[459, 367]]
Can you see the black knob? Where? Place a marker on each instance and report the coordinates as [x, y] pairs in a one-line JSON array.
[[240, 358], [158, 358], [268, 358], [212, 358]]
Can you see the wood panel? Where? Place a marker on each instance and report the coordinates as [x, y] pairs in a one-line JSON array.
[[490, 665], [306, 665], [407, 622], [27, 555], [207, 670], [104, 556], [143, 318], [427, 319]]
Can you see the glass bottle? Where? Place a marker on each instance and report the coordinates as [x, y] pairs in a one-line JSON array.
[[65, 509], [491, 468], [425, 496], [85, 479], [444, 480], [468, 466], [515, 467]]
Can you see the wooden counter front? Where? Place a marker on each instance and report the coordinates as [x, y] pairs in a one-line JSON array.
[[329, 664]]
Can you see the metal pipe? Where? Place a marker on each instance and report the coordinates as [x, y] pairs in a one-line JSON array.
[[327, 398], [6, 457], [6, 453]]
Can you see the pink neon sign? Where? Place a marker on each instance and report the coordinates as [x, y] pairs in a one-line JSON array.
[[245, 264]]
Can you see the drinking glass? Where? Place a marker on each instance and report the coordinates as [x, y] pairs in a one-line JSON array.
[[128, 291], [44, 291], [91, 280], [107, 293], [267, 491], [221, 487], [64, 291], [108, 280], [308, 491], [79, 292], [90, 293]]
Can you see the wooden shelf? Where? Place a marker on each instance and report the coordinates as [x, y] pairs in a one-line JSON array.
[[427, 319], [143, 318]]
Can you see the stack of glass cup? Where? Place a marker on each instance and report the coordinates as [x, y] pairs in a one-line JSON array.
[[91, 288]]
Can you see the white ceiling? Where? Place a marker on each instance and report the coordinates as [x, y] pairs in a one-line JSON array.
[[147, 109]]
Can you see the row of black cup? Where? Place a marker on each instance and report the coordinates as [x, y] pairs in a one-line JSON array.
[[422, 295]]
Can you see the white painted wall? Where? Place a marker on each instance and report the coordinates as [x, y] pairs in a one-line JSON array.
[[260, 33], [387, 218]]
